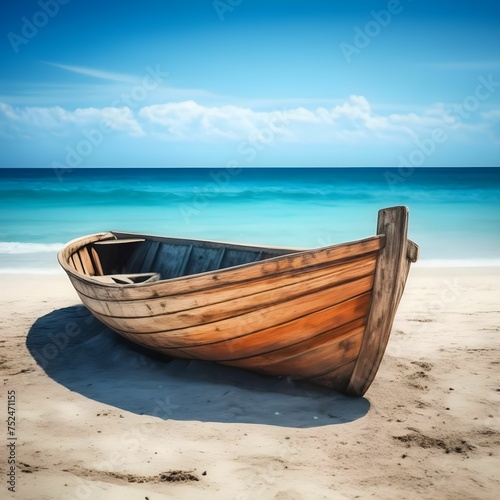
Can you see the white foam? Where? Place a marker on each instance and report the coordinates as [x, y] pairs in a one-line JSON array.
[[16, 247], [32, 270]]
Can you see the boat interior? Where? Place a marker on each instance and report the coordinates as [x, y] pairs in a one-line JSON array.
[[124, 258]]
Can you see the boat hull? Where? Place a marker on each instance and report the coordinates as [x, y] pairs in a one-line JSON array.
[[322, 315]]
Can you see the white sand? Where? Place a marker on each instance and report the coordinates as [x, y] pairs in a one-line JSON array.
[[96, 418]]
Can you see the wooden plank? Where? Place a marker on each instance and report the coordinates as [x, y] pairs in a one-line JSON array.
[[170, 260], [77, 263], [337, 378], [312, 356], [130, 278], [240, 275], [274, 250], [314, 363], [285, 335], [183, 263], [202, 260], [387, 289], [86, 261], [237, 299], [247, 316], [123, 241], [136, 260], [64, 256], [115, 254], [147, 265], [233, 257], [222, 253], [412, 251], [276, 305], [337, 273], [97, 262]]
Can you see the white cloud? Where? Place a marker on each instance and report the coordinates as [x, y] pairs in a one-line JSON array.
[[37, 116], [188, 120], [119, 119], [354, 122], [44, 120]]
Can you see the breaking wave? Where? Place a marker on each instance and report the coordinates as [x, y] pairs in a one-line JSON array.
[[16, 247]]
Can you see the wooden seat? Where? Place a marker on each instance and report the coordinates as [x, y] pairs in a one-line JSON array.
[[119, 242], [128, 279]]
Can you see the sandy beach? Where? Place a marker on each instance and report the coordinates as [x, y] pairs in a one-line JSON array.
[[96, 417]]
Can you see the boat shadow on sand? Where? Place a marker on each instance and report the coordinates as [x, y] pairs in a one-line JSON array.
[[85, 356]]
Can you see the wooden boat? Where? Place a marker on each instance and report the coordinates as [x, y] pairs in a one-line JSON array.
[[322, 315]]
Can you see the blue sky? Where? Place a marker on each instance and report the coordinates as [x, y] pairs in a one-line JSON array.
[[249, 83]]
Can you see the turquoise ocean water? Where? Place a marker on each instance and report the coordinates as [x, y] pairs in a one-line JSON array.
[[454, 212]]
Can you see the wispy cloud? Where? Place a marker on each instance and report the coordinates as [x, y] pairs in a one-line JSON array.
[[117, 83], [96, 73]]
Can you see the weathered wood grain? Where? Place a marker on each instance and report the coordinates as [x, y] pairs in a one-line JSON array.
[[257, 342], [188, 326], [258, 291], [390, 278], [86, 261], [239, 275], [337, 379], [311, 357]]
